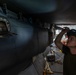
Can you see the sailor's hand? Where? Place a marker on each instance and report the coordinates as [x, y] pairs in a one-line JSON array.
[[65, 29]]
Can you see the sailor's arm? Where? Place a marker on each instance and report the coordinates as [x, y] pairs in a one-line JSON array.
[[59, 37]]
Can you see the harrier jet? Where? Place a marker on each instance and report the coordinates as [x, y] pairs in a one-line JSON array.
[[27, 27]]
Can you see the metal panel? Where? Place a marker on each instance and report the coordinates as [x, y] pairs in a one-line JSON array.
[[29, 71]]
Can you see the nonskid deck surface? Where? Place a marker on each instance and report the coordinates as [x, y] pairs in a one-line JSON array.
[[38, 65], [57, 67]]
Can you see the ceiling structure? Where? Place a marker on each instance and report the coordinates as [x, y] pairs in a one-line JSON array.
[[57, 11]]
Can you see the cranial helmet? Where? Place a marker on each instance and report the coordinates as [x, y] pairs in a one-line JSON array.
[[71, 32]]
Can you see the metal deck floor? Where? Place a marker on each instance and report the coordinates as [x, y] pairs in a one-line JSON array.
[[57, 68]]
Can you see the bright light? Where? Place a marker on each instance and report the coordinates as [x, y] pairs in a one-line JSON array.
[[57, 31]]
